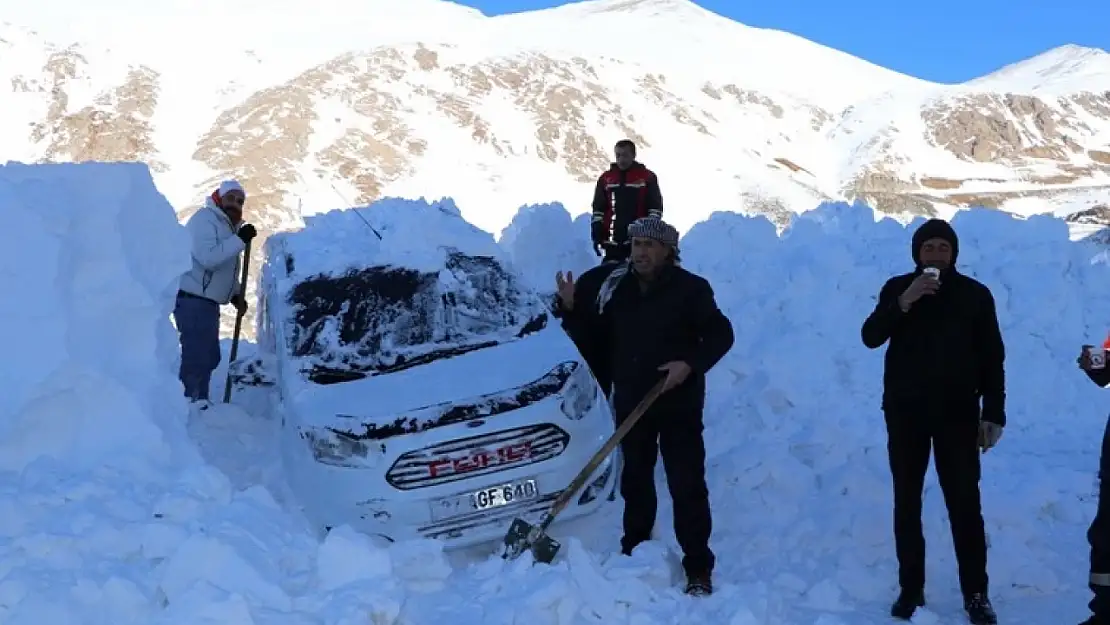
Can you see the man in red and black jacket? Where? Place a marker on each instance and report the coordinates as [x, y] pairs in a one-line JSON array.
[[624, 193]]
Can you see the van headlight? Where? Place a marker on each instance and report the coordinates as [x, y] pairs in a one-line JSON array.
[[336, 449], [579, 393]]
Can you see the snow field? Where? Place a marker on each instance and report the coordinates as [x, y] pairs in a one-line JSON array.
[[117, 518]]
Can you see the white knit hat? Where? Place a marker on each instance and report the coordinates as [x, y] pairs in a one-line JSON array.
[[227, 186]]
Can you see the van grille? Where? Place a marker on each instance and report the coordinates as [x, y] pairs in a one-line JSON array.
[[477, 455]]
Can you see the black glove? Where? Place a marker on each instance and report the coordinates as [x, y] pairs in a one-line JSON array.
[[247, 232], [239, 302], [599, 234]]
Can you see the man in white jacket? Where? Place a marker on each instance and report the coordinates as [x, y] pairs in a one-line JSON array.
[[218, 237]]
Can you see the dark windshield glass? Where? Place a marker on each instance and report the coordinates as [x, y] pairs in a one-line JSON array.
[[382, 319]]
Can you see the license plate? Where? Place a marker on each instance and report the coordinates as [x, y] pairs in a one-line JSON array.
[[485, 499], [503, 495]]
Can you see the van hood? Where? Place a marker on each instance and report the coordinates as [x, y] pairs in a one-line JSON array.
[[469, 386]]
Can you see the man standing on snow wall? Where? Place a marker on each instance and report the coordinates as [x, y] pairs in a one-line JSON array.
[[1098, 535], [945, 354], [624, 193], [647, 318], [218, 237]]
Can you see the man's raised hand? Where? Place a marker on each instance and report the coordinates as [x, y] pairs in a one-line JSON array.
[[564, 288]]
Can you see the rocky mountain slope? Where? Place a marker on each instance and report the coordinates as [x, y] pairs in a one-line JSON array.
[[430, 98]]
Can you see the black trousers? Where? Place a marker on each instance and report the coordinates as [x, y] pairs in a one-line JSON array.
[[1098, 535], [672, 428], [953, 439]]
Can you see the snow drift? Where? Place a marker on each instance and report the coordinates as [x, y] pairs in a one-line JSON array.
[[798, 469], [108, 516], [542, 239], [80, 281]]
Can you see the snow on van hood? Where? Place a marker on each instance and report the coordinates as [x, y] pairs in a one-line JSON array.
[[383, 336], [469, 385], [391, 231]]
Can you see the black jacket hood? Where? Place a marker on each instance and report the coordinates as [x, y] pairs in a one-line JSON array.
[[934, 229]]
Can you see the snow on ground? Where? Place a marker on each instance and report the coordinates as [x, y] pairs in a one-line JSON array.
[[135, 511]]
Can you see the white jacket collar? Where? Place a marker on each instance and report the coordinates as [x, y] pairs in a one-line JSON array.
[[210, 204]]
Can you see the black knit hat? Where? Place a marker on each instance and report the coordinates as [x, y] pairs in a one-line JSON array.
[[934, 229]]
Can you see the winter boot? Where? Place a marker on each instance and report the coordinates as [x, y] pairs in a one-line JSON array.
[[979, 610], [699, 584], [907, 603]]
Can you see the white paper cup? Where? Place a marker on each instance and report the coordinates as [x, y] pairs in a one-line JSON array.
[[932, 272], [1097, 356]]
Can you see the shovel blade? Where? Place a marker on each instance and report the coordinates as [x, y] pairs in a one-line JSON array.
[[523, 536], [545, 548], [516, 539]]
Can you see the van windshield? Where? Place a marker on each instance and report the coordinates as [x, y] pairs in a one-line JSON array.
[[383, 319]]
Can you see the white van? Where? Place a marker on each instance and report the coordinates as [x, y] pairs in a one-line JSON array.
[[420, 403]]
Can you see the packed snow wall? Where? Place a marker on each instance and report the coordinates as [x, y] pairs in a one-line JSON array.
[[542, 239], [124, 524], [108, 515], [797, 446], [91, 254]]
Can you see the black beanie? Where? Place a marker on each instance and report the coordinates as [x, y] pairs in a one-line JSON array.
[[934, 229]]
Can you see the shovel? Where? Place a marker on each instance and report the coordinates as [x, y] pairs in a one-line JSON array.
[[238, 324], [523, 536]]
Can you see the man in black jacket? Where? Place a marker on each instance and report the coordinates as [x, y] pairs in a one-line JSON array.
[[1098, 535], [634, 322], [945, 355]]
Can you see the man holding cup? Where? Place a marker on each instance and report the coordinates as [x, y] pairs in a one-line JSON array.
[[1092, 360], [945, 355]]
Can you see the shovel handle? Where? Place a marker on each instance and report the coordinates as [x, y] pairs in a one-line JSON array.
[[580, 480], [238, 323]]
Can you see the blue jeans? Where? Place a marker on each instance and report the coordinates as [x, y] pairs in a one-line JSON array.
[[198, 326]]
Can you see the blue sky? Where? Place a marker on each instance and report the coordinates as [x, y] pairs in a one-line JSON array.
[[941, 40]]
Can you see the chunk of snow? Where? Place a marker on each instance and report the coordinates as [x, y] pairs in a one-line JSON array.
[[348, 557]]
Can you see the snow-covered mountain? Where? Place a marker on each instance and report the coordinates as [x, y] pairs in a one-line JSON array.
[[334, 103]]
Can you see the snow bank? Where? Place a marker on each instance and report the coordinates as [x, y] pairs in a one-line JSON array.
[[542, 240], [797, 459], [91, 257], [108, 515], [797, 437]]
